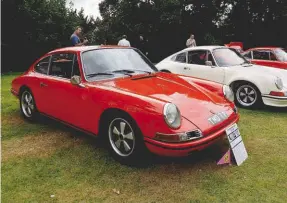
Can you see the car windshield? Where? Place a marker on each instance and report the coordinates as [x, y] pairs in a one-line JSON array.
[[227, 57], [281, 55], [115, 62]]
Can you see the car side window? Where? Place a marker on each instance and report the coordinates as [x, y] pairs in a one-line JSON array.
[[261, 55], [181, 57], [76, 68], [247, 55], [272, 56], [197, 57], [210, 58], [43, 66], [61, 65]]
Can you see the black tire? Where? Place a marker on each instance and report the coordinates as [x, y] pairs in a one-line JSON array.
[[247, 95], [28, 106], [130, 148]]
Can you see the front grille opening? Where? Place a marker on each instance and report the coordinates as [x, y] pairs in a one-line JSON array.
[[196, 134]]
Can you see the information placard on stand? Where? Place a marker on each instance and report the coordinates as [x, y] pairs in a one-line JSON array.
[[236, 144]]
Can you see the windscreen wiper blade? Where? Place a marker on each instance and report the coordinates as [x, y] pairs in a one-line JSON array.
[[97, 74], [124, 71], [144, 71], [131, 71]]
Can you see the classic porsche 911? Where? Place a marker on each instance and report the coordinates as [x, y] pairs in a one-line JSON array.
[[118, 94], [253, 85]]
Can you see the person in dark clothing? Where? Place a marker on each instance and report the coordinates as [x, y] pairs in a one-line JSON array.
[[142, 45]]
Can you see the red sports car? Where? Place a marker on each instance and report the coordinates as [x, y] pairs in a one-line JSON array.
[[117, 93], [267, 56]]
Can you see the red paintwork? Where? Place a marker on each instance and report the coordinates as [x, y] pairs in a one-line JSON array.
[[235, 44], [142, 99], [269, 63], [238, 46]]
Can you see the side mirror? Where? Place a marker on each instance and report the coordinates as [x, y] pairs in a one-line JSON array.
[[208, 63], [76, 80]]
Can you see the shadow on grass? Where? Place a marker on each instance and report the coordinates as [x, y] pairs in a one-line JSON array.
[[272, 109], [209, 155]]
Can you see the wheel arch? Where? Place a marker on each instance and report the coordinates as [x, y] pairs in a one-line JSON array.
[[107, 114], [22, 89], [236, 83]]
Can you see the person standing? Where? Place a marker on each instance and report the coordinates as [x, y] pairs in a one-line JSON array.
[[75, 38], [142, 45], [191, 41], [124, 42]]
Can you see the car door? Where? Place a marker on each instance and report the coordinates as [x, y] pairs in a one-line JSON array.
[[71, 103], [38, 84], [197, 66]]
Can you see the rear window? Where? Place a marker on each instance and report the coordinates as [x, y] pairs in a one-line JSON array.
[[180, 57], [43, 66]]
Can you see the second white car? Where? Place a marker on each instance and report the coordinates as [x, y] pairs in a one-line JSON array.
[[252, 84]]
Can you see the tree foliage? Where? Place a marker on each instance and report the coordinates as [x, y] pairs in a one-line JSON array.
[[167, 24], [33, 27]]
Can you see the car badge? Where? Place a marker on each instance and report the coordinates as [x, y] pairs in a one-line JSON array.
[[217, 117]]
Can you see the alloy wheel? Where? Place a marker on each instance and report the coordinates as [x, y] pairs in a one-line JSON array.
[[246, 95], [27, 104], [121, 137]]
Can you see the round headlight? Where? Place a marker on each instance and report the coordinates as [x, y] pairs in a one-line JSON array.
[[228, 93], [172, 115], [279, 83]]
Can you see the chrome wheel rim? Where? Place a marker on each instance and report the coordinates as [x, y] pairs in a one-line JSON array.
[[27, 104], [246, 95], [121, 137]]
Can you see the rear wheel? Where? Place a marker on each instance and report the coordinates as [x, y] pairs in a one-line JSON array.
[[125, 140], [28, 105], [248, 96]]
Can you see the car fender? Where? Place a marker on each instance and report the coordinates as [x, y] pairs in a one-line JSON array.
[[146, 112], [167, 65], [264, 83]]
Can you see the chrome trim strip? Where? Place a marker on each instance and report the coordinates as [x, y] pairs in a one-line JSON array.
[[275, 97]]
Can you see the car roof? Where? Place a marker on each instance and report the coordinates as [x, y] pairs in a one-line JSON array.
[[263, 48], [204, 48], [86, 48]]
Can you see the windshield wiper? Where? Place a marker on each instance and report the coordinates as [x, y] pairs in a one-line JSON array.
[[131, 71], [123, 71], [96, 74], [144, 71]]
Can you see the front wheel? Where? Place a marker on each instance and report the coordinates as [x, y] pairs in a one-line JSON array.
[[125, 141], [28, 105], [248, 96]]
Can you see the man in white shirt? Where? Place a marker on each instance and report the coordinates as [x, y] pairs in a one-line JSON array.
[[124, 42], [191, 41]]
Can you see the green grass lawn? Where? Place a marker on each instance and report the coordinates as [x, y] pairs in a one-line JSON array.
[[44, 159]]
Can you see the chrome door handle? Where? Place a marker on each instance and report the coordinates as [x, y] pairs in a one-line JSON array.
[[43, 84]]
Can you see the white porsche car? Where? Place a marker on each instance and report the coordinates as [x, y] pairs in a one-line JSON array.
[[252, 84]]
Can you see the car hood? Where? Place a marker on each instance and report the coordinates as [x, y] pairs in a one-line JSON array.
[[195, 103], [267, 70]]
